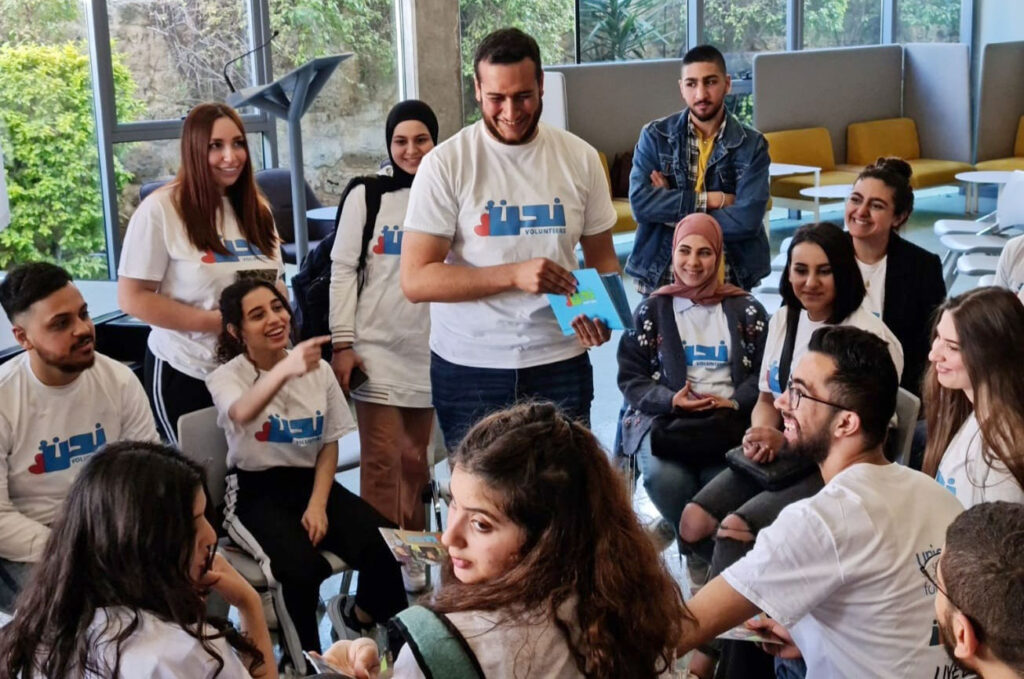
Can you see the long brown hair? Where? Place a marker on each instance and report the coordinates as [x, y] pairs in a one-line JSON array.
[[583, 545], [124, 538], [989, 324], [198, 198]]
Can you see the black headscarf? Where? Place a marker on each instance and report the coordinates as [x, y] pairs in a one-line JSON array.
[[410, 109]]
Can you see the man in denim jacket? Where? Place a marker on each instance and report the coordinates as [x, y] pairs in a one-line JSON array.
[[701, 159]]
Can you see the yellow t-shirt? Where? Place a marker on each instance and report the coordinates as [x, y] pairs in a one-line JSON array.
[[704, 147]]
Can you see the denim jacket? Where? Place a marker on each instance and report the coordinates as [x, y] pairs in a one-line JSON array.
[[738, 165]]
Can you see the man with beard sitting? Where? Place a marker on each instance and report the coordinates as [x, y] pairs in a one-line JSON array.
[[839, 573], [60, 401], [979, 577]]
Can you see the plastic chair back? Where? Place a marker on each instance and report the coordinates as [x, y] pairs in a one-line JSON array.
[[1010, 207], [907, 408]]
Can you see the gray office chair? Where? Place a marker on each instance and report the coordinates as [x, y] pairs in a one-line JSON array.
[[907, 408], [276, 185], [202, 440]]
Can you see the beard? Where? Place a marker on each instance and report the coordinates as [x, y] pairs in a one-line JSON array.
[[65, 363], [709, 115], [492, 126], [813, 447]]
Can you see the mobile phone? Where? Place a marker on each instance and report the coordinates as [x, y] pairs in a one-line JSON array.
[[211, 552], [321, 666], [357, 378]]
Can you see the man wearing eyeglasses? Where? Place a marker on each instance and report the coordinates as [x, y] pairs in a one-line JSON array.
[[838, 573], [979, 579]]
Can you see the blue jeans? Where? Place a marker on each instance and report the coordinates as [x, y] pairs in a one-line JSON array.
[[463, 394], [790, 669], [669, 484], [13, 577]]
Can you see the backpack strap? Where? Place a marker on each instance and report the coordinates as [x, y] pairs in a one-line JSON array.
[[439, 648], [372, 194], [786, 361]]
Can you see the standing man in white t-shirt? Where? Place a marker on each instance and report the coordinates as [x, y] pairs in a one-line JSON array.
[[494, 217], [60, 401], [839, 572]]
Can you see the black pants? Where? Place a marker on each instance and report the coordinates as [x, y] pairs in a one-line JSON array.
[[172, 394], [264, 517]]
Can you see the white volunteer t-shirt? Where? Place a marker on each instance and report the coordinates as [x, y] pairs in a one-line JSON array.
[[159, 650], [704, 331], [500, 204], [861, 318], [964, 472], [841, 570], [390, 333], [1010, 270], [156, 248], [874, 285], [304, 415], [48, 433]]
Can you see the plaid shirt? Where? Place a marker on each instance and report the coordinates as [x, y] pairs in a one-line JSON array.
[[693, 159]]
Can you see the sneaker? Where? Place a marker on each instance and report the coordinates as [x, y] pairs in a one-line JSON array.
[[341, 611], [697, 570], [414, 577], [660, 532]]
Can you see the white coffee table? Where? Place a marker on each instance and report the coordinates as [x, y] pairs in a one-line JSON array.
[[975, 178], [830, 192], [327, 213]]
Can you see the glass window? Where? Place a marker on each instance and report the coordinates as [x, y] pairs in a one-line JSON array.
[[178, 49], [928, 20], [840, 23], [741, 28], [550, 22], [616, 30], [48, 134], [343, 132]]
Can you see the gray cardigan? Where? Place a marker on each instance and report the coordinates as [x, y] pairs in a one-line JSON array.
[[652, 363]]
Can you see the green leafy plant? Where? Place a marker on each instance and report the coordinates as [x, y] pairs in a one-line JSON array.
[[550, 22], [617, 29], [50, 155]]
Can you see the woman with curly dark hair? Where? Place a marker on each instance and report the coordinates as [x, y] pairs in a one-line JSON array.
[[551, 574], [121, 589]]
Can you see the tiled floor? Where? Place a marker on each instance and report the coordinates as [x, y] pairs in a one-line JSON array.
[[931, 205]]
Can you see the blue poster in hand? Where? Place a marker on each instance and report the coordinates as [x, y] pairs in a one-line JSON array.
[[599, 296]]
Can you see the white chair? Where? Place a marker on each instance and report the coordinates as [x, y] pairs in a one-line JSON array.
[[986, 281], [990, 239], [779, 261], [977, 264], [907, 408], [200, 439], [769, 284]]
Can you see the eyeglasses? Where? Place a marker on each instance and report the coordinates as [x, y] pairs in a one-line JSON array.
[[795, 395], [930, 570]]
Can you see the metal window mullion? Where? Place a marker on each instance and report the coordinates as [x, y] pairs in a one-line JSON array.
[[694, 23], [888, 22], [105, 115], [967, 23], [794, 25]]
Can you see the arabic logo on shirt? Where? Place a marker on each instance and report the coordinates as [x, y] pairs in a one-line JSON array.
[[60, 455], [301, 431], [389, 242], [239, 250], [512, 220], [702, 356], [949, 484]]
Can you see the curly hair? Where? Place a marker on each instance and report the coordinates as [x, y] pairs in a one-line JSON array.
[[229, 344], [124, 538], [583, 544]]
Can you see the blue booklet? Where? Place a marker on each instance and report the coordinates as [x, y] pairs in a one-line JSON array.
[[599, 296]]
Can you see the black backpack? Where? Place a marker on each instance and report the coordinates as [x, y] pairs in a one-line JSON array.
[[311, 286]]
